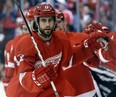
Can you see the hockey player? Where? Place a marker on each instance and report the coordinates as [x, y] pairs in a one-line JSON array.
[[92, 62], [104, 76], [10, 46], [9, 67], [90, 29], [30, 17], [108, 55], [31, 79], [38, 84], [76, 38]]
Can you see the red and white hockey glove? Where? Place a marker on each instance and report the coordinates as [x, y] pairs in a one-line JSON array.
[[44, 75], [96, 26], [92, 41]]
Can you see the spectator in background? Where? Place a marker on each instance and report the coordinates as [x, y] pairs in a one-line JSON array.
[[76, 16], [2, 39], [62, 6], [87, 16], [1, 5], [8, 16], [105, 14], [8, 21], [26, 4]]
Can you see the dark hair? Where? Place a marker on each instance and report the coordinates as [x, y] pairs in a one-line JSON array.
[[63, 19], [52, 16], [35, 27]]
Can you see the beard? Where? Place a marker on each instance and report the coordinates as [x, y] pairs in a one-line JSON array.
[[46, 32]]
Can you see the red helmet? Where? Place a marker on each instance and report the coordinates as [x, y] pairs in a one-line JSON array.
[[59, 14], [30, 14], [44, 10]]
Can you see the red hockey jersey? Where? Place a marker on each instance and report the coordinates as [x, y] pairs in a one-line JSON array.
[[109, 56], [79, 75], [9, 60], [7, 77], [106, 56], [57, 51]]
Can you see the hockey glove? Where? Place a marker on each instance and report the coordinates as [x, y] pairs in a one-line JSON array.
[[92, 41], [45, 75], [96, 26]]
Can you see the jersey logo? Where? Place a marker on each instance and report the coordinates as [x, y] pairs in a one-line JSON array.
[[55, 60], [20, 59]]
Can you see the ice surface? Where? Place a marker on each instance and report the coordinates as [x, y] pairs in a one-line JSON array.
[[2, 93]]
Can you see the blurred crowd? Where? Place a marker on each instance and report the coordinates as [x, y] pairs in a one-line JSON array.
[[86, 12]]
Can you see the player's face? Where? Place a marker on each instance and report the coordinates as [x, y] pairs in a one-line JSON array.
[[60, 25], [46, 25]]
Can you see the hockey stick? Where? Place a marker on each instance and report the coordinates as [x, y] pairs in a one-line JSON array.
[[35, 44]]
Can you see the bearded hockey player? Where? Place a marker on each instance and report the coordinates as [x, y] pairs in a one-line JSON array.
[[31, 79]]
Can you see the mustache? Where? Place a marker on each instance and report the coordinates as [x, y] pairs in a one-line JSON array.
[[47, 28]]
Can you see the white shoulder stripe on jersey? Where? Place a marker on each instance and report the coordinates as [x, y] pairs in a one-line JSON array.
[[9, 65], [84, 63], [112, 37], [70, 64], [8, 55], [101, 56], [5, 84], [21, 76]]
